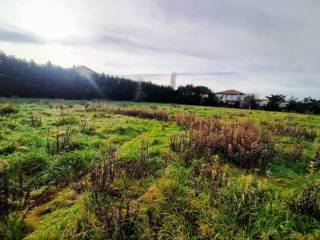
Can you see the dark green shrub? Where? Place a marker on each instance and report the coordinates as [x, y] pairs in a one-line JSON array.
[[15, 228], [8, 109], [4, 191], [308, 201], [8, 149]]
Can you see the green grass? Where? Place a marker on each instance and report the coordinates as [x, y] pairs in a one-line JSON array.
[[56, 186]]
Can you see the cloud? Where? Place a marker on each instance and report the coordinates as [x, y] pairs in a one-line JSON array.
[[257, 46], [19, 37]]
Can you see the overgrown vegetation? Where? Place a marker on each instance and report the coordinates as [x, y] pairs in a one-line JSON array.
[[108, 170]]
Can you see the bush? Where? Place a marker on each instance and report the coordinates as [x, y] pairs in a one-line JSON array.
[[15, 228], [8, 109], [308, 201], [296, 153], [8, 149], [243, 144], [4, 191]]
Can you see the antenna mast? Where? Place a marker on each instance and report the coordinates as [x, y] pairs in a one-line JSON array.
[[173, 81], [139, 88]]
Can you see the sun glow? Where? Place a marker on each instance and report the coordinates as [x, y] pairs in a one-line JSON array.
[[47, 20]]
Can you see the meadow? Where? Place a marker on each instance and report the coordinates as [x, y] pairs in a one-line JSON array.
[[123, 170]]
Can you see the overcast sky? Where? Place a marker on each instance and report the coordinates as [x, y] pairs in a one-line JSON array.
[[262, 47]]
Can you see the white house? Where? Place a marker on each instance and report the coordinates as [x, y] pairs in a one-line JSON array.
[[231, 95], [262, 102], [83, 71]]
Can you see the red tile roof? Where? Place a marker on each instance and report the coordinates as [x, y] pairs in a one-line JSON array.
[[231, 92]]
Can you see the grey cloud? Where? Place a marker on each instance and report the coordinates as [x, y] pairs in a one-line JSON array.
[[210, 73], [14, 36], [264, 46], [142, 43], [191, 74], [260, 16], [127, 43]]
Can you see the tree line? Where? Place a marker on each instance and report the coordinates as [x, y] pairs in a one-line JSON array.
[[278, 102], [28, 79]]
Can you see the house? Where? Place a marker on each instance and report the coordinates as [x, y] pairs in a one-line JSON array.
[[262, 102], [83, 71], [231, 95], [283, 104], [204, 96]]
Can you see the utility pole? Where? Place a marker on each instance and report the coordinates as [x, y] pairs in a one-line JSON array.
[[139, 89], [173, 81]]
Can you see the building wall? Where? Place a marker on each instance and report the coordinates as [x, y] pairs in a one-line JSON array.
[[225, 98], [263, 103]]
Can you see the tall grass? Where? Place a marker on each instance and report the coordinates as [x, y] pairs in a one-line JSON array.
[[119, 220], [197, 176], [35, 121], [242, 144], [60, 141], [140, 168], [294, 131], [154, 114]]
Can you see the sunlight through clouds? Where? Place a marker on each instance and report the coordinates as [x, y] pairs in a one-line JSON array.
[[259, 41], [47, 19]]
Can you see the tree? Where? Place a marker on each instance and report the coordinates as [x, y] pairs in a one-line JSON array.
[[292, 104], [195, 95], [275, 101], [28, 79], [311, 105], [250, 101]]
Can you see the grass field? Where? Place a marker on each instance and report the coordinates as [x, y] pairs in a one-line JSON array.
[[122, 170]]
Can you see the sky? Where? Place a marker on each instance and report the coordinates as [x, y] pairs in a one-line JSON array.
[[261, 47]]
